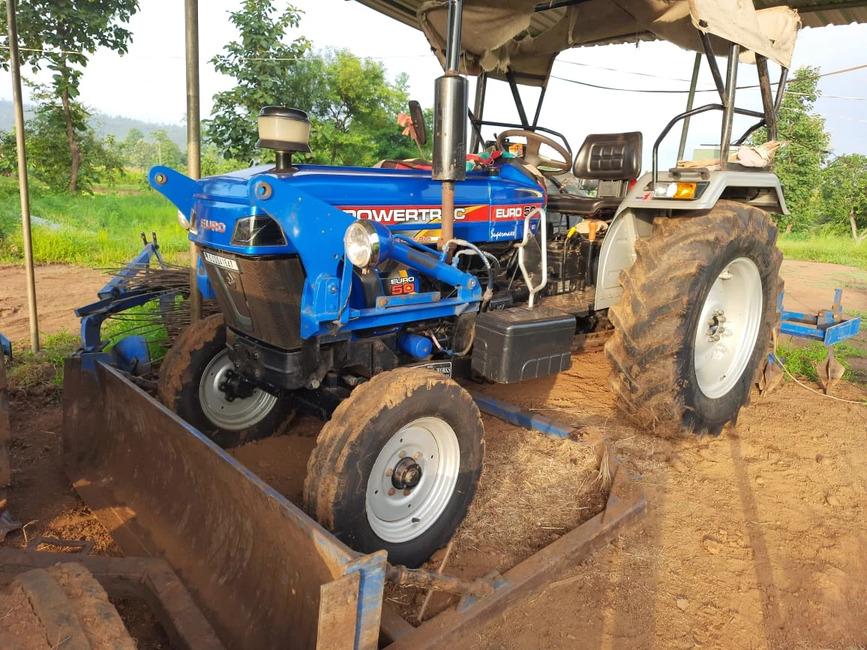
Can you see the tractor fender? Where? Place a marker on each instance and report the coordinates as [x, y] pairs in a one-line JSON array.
[[634, 217]]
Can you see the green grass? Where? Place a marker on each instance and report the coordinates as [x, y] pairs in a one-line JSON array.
[[801, 360], [30, 371], [836, 250], [98, 230]]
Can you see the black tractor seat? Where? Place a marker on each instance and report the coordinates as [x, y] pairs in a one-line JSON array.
[[612, 159]]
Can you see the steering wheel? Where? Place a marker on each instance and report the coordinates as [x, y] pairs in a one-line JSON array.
[[531, 150]]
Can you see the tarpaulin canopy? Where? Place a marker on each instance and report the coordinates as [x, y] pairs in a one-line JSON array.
[[524, 36]]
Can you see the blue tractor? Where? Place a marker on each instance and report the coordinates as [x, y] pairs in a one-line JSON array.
[[368, 293]]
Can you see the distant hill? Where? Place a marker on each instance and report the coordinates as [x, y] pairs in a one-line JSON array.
[[106, 124]]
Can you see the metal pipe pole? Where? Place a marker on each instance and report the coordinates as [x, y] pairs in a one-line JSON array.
[[478, 111], [729, 104], [690, 100], [23, 185], [450, 124], [767, 97], [194, 136]]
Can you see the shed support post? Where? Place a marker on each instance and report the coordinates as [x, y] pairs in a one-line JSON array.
[[23, 185], [194, 137]]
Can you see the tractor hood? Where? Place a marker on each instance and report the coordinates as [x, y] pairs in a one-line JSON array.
[[490, 204]]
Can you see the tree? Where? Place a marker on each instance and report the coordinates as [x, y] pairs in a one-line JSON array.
[[137, 152], [61, 35], [262, 66], [49, 161], [354, 112], [799, 163], [844, 194], [166, 151], [352, 105]]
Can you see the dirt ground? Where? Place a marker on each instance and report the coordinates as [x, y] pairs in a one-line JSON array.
[[754, 539], [59, 290]]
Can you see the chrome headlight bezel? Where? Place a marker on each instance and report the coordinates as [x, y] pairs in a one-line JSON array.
[[361, 244]]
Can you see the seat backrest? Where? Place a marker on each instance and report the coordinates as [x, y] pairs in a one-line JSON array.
[[609, 157]]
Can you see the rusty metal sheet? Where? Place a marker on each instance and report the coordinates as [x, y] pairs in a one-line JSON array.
[[253, 561], [338, 612]]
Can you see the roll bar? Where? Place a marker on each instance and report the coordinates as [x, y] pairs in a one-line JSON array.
[[726, 89]]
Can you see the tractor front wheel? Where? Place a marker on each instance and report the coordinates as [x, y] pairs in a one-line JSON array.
[[695, 320], [397, 465], [198, 381]]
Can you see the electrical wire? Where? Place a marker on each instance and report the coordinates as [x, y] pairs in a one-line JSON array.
[[813, 390], [672, 91]]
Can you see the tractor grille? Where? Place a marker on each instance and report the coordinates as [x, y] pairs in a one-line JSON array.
[[262, 298]]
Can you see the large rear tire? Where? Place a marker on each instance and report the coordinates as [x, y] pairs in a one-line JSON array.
[[695, 319], [192, 381], [397, 465]]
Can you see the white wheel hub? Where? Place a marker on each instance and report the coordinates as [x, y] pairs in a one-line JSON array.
[[234, 414], [728, 327], [412, 479]]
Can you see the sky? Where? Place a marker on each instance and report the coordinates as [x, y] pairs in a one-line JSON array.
[[148, 82]]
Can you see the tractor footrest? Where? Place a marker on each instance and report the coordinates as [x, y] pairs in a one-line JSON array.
[[513, 345]]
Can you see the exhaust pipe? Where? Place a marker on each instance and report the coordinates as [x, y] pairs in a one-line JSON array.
[[450, 123]]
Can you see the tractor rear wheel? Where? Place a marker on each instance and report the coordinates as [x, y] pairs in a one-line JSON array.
[[194, 383], [397, 465], [695, 319]]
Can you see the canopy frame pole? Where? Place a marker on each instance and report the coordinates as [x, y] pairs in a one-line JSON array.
[[478, 111], [519, 103], [767, 99], [690, 100], [714, 66], [194, 136], [539, 104], [23, 184], [781, 89], [729, 104]]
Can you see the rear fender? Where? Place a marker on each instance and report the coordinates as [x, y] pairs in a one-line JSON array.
[[634, 217]]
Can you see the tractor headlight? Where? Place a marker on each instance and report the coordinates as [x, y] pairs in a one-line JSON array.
[[361, 244]]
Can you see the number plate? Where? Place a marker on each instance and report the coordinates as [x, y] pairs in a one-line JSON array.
[[442, 367], [217, 260]]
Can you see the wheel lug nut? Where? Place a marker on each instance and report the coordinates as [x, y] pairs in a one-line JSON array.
[[401, 453], [417, 455], [391, 492], [389, 472], [407, 492]]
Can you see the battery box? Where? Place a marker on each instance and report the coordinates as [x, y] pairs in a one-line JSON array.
[[517, 344]]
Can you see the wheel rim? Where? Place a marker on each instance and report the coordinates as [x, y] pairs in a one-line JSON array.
[[236, 414], [412, 479], [728, 327]]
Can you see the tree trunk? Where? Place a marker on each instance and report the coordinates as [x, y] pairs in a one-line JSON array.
[[854, 225], [74, 151]]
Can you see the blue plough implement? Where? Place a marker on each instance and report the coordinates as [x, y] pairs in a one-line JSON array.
[[828, 326]]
